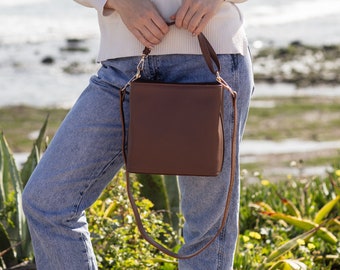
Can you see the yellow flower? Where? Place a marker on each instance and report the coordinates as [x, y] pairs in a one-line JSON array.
[[255, 235], [245, 238], [337, 172], [265, 182], [310, 246], [301, 242]]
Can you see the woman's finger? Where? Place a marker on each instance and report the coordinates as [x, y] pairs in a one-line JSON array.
[[194, 15], [143, 21]]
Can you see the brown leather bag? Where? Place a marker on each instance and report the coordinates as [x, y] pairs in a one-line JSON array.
[[177, 129]]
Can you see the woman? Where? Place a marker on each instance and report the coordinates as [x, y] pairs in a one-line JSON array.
[[85, 153]]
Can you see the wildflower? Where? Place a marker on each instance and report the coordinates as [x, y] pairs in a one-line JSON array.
[[255, 235], [293, 163], [108, 201], [337, 172], [245, 238], [310, 246], [301, 242], [249, 246], [244, 172], [256, 174], [265, 182], [289, 176]]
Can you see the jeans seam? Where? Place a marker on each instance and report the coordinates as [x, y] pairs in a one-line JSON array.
[[89, 185], [85, 251], [219, 251]]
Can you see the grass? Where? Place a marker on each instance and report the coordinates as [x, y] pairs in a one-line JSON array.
[[304, 118], [20, 121]]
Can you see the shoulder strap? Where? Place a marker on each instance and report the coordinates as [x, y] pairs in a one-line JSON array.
[[210, 57]]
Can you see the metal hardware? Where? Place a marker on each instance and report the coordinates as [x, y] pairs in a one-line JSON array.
[[221, 81], [140, 67]]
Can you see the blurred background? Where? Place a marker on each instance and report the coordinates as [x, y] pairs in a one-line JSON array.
[[48, 51]]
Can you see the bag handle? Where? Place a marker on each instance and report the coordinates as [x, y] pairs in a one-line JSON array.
[[209, 56]]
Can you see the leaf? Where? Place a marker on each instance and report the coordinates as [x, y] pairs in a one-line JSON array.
[[163, 260], [34, 156], [111, 209], [173, 194], [6, 251], [304, 224], [289, 265], [262, 205], [2, 179], [162, 191], [4, 175], [20, 231], [292, 209], [334, 224], [290, 245], [324, 211]]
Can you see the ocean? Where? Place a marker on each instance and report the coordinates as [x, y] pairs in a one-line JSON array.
[[31, 30], [278, 21]]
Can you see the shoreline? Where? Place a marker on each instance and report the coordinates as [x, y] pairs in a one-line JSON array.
[[54, 73], [299, 64]]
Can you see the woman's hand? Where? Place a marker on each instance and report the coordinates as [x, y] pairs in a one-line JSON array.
[[142, 19], [194, 15]]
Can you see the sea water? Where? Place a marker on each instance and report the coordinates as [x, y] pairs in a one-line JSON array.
[[282, 21], [313, 21], [31, 30]]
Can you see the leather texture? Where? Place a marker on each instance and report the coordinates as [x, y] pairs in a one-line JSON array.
[[175, 129]]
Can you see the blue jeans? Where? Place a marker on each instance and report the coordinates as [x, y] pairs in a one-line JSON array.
[[85, 154]]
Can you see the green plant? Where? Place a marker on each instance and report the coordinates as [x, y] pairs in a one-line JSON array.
[[301, 233], [163, 192], [115, 236], [14, 236], [289, 224]]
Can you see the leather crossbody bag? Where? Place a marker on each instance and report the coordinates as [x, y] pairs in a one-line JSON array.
[[177, 129]]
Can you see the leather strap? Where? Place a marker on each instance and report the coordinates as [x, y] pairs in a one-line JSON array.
[[208, 52], [210, 57]]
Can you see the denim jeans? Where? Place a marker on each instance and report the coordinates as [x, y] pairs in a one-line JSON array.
[[85, 154]]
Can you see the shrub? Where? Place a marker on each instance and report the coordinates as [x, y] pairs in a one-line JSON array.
[[290, 224], [115, 236]]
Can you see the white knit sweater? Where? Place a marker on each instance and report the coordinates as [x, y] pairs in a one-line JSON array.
[[224, 31]]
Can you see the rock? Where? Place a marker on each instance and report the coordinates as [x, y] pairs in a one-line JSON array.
[[48, 60], [297, 63], [74, 44]]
